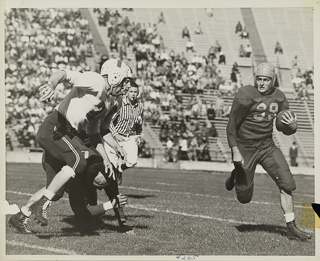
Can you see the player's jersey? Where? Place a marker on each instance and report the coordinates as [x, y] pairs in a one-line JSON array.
[[87, 101], [252, 114]]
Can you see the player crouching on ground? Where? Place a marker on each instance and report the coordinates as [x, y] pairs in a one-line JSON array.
[[249, 133]]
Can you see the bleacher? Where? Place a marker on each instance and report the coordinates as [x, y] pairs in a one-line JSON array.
[[278, 24], [292, 27]]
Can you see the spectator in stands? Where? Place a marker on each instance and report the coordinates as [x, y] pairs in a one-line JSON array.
[[278, 48], [242, 52], [211, 54], [248, 50], [219, 105], [210, 130], [167, 151], [193, 145], [189, 45], [222, 58], [217, 47], [161, 19], [205, 150], [185, 33], [183, 145], [209, 12], [211, 113], [293, 154], [295, 62], [244, 34], [303, 94], [198, 29], [238, 27]]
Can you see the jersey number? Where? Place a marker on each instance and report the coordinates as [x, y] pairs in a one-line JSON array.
[[262, 108]]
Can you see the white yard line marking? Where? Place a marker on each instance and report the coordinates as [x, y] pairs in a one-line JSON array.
[[200, 195], [190, 215], [167, 184], [50, 249]]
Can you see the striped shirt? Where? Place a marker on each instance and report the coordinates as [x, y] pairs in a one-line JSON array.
[[128, 120]]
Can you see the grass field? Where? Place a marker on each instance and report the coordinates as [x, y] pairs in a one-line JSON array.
[[170, 213]]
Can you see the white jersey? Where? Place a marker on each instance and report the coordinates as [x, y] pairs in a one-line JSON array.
[[87, 103]]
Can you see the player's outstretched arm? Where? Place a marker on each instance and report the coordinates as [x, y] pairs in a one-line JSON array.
[[118, 202], [46, 91]]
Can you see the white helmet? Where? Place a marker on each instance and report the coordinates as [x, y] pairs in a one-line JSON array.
[[116, 70]]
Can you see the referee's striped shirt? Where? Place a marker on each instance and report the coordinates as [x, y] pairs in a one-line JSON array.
[[128, 120]]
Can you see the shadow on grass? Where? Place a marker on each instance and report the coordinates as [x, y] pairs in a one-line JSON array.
[[280, 230], [86, 229], [139, 196]]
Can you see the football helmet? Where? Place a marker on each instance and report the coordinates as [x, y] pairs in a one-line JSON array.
[[267, 70], [116, 70]]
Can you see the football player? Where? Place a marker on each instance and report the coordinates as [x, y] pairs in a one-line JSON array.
[[249, 134], [82, 109]]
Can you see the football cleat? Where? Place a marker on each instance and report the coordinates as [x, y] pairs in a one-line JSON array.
[[293, 232], [230, 181], [39, 209], [19, 222]]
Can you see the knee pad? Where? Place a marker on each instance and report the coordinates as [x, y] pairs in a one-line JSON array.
[[68, 171], [244, 195]]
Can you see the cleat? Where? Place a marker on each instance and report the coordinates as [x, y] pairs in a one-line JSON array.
[[293, 232], [230, 181], [19, 222], [122, 219], [39, 209]]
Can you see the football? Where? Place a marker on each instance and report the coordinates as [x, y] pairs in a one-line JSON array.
[[284, 128]]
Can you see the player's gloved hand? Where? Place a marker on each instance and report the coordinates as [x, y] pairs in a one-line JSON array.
[[109, 169], [122, 153], [289, 119], [236, 155], [138, 139], [46, 91], [119, 138], [120, 201]]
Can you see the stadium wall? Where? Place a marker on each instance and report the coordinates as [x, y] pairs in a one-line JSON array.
[[35, 157]]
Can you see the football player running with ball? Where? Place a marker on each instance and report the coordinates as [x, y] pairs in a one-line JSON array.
[[249, 133]]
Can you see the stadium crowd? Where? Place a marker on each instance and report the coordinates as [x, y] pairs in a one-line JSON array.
[[166, 77], [38, 42]]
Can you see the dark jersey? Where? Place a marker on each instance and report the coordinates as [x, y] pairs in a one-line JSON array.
[[252, 114]]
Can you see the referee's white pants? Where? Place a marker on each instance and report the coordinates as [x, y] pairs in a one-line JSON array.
[[130, 146]]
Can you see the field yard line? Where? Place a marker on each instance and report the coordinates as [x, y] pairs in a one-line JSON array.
[[51, 249], [190, 215], [201, 195], [176, 192]]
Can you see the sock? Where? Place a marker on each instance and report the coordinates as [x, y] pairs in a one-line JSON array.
[[26, 211], [48, 194], [289, 217]]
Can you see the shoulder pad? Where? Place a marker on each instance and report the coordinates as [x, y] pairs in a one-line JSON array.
[[247, 94]]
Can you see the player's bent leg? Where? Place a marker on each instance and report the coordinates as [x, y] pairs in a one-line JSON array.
[[39, 208]]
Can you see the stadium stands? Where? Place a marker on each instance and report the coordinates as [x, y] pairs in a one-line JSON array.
[[219, 27]]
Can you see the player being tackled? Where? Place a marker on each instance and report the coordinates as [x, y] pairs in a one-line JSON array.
[[249, 133]]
